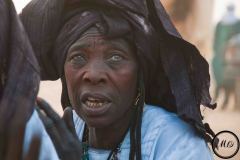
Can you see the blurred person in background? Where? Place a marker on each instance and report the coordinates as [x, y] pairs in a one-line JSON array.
[[228, 27], [232, 67], [193, 19]]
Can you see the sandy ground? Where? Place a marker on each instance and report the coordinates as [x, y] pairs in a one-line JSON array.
[[228, 119]]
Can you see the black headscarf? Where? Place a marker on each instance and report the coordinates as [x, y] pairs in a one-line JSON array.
[[175, 75], [20, 73]]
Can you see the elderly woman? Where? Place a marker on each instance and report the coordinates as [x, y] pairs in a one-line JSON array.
[[134, 85]]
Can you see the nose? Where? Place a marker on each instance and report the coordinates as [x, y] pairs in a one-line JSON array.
[[95, 73]]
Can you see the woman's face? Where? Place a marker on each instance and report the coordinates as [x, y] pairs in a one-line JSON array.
[[101, 77]]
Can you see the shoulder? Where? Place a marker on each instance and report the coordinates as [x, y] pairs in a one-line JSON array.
[[171, 137], [156, 117], [159, 122]]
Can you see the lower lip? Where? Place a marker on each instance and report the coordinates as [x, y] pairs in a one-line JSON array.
[[96, 111]]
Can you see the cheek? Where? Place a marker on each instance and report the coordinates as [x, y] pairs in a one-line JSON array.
[[71, 82], [128, 79], [126, 82]]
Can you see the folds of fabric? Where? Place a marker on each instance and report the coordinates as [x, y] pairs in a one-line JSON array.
[[21, 70]]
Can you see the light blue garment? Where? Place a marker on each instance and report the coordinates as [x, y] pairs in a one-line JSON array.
[[35, 127], [164, 137]]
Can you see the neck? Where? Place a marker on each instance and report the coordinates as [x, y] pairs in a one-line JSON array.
[[110, 137]]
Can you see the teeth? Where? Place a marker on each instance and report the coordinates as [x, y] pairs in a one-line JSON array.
[[94, 104]]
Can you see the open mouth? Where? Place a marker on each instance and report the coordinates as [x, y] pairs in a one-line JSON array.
[[95, 101]]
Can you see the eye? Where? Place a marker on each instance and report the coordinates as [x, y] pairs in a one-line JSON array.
[[77, 59], [116, 58]]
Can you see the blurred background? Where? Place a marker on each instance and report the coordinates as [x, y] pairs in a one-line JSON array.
[[214, 27]]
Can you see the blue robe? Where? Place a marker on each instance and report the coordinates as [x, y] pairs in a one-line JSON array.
[[164, 136]]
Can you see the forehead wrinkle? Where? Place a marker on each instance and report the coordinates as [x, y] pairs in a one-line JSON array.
[[82, 43], [101, 40], [121, 44], [91, 41], [88, 42], [78, 45]]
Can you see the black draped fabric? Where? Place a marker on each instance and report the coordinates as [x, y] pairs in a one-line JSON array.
[[20, 73], [176, 76]]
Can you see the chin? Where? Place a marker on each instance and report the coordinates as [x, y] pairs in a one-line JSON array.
[[97, 122], [101, 121]]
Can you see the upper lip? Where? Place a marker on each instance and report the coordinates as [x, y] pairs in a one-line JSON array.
[[84, 97]]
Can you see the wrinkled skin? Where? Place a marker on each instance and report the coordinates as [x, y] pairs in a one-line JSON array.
[[101, 77]]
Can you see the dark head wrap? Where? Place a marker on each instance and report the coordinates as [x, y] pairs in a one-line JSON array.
[[175, 75], [20, 74]]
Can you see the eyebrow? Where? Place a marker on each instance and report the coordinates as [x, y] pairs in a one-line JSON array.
[[122, 45], [82, 43], [79, 45]]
